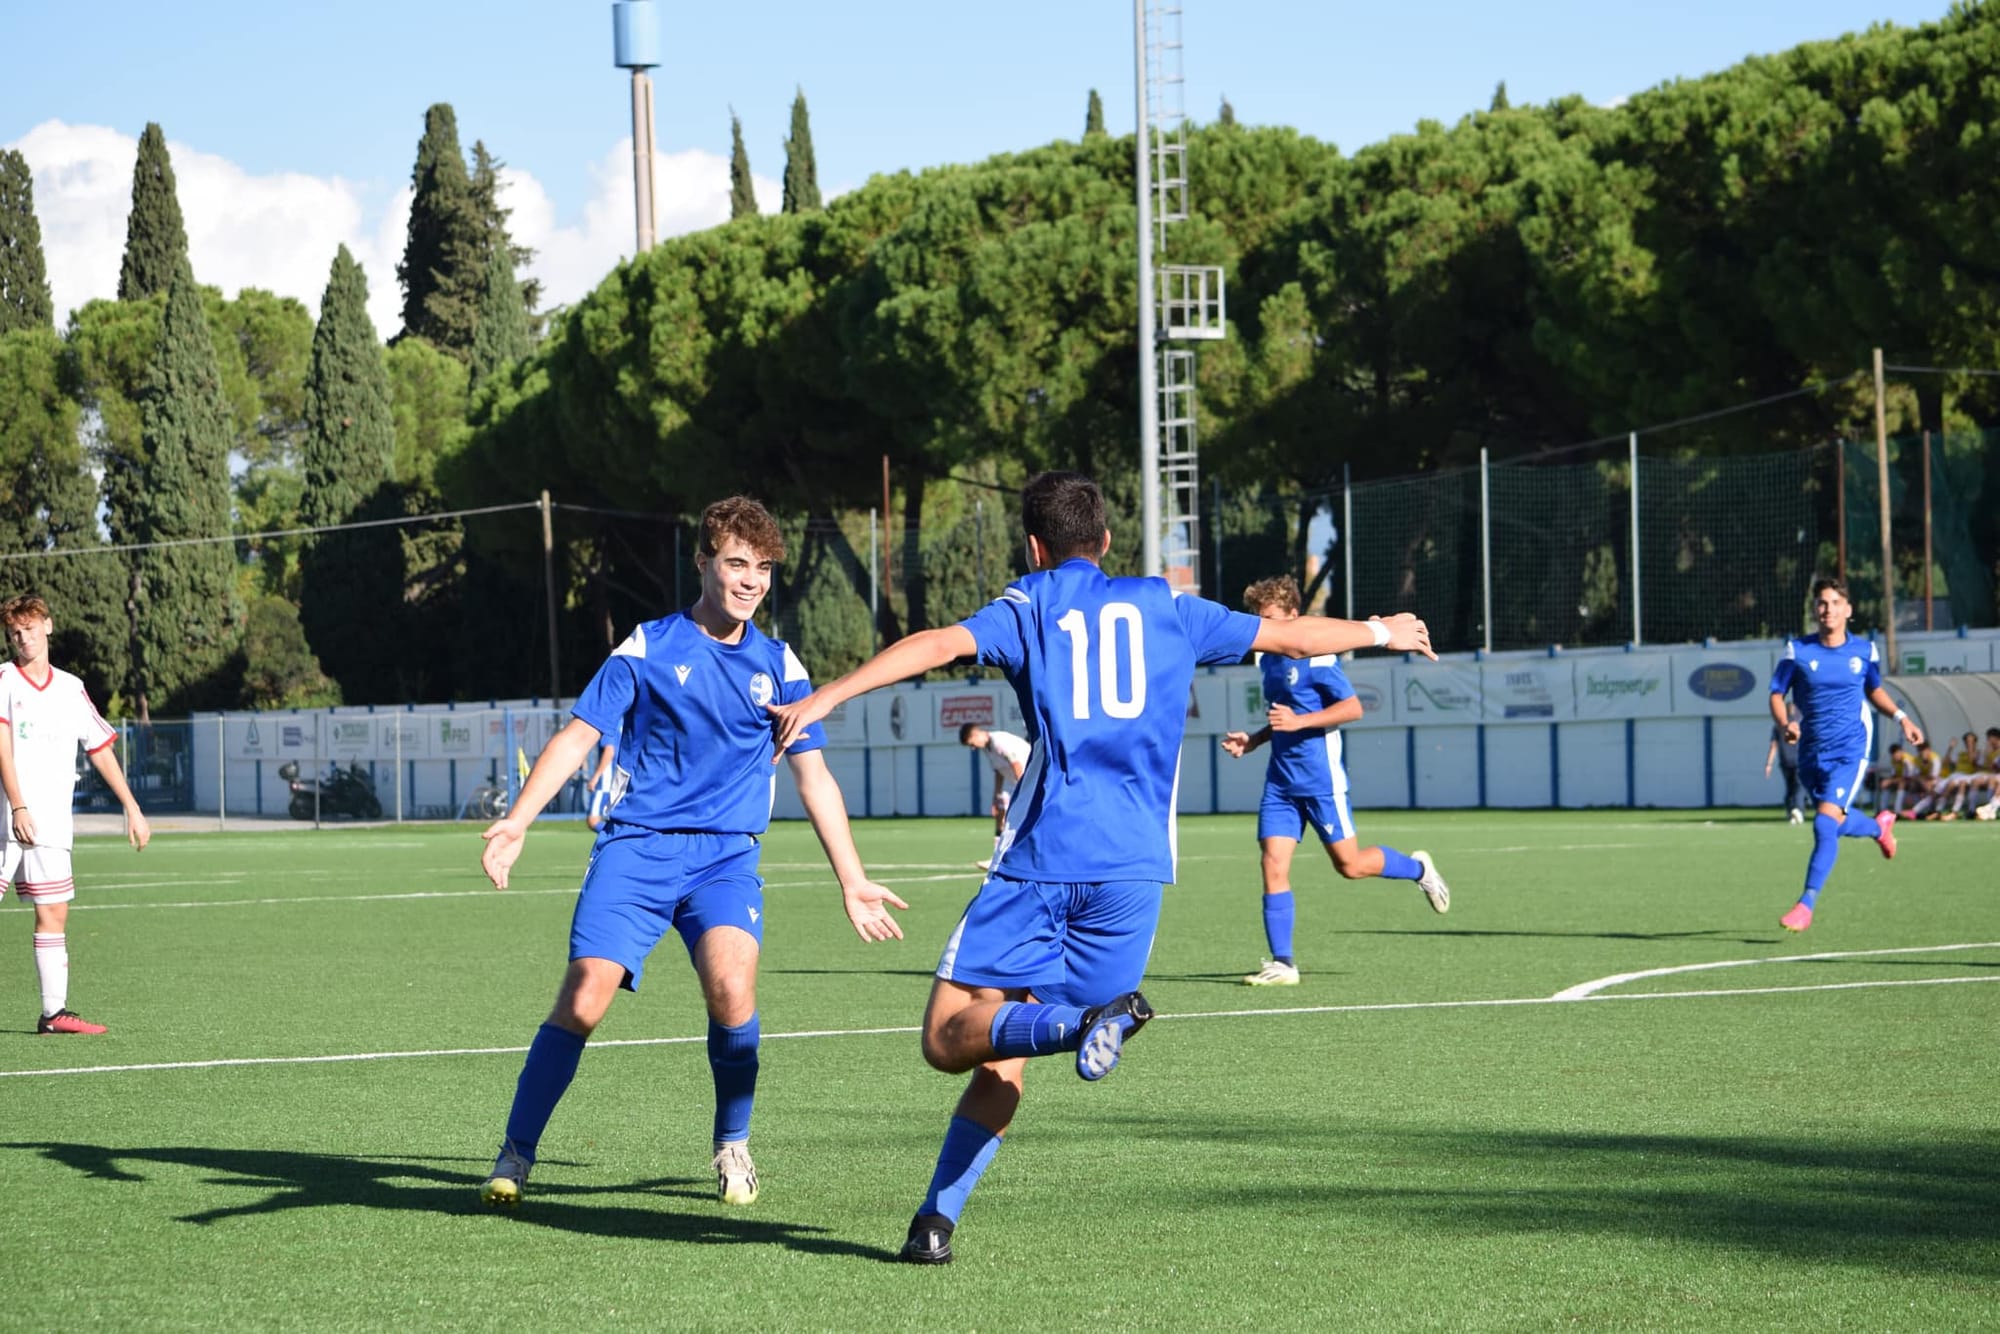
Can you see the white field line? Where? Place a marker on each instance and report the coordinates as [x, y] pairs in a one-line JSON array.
[[416, 894], [1587, 990], [877, 1032]]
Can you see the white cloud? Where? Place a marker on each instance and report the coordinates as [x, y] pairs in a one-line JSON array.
[[279, 231]]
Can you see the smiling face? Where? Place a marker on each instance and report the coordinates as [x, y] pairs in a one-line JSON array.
[[1832, 609], [734, 580]]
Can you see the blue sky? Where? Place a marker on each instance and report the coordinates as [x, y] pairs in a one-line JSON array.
[[298, 121]]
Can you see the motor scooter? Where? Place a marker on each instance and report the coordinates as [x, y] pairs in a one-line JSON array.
[[341, 790]]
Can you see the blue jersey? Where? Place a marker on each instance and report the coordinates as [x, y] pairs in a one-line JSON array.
[[1830, 686], [694, 742], [1102, 668], [1305, 763]]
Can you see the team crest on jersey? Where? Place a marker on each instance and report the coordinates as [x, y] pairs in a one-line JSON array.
[[1854, 666], [1292, 676], [760, 689]]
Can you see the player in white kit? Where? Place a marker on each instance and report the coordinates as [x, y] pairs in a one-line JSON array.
[[45, 714], [1008, 756]]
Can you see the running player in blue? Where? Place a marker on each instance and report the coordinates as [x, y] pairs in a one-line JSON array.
[[684, 698], [1305, 784], [1048, 955], [1834, 678]]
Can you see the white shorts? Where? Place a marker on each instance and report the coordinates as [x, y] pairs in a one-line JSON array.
[[38, 874]]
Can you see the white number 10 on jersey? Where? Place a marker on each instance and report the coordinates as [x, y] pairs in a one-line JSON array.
[[1120, 699]]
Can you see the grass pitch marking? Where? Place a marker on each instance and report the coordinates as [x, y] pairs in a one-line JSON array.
[[1590, 990], [338, 1058]]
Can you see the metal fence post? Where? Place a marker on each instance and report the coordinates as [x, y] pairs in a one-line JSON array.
[[1347, 536], [221, 776], [1638, 621], [1485, 551]]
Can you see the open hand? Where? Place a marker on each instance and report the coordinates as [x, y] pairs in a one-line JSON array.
[[867, 909]]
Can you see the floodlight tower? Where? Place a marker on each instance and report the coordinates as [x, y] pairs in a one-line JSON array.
[[1178, 303], [635, 45]]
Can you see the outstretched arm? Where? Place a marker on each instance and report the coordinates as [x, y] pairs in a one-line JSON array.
[[912, 655], [559, 759], [827, 809], [105, 760], [1317, 636]]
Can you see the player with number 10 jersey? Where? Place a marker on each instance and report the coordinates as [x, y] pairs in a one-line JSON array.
[[1102, 667], [1049, 953]]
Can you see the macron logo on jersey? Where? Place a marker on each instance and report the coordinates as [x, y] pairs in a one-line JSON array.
[[681, 673], [754, 914]]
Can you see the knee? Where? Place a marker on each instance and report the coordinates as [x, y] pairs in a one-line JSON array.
[[941, 1054], [577, 1015]]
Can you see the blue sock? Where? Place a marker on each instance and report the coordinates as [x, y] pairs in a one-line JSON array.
[[545, 1077], [1021, 1029], [732, 1058], [968, 1149], [1399, 866], [1860, 824], [1278, 924], [1826, 846]]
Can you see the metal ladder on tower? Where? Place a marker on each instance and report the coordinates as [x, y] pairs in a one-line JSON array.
[[1188, 302]]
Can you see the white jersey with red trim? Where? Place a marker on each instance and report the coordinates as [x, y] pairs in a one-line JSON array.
[[49, 721]]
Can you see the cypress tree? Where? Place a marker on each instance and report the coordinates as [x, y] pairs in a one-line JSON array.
[[155, 236], [1227, 115], [1093, 117], [350, 583], [350, 433], [24, 276], [503, 334], [486, 199], [186, 616], [742, 193], [801, 171], [51, 504], [444, 255]]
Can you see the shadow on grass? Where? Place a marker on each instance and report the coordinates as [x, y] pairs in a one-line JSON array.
[[289, 1180], [1910, 1207]]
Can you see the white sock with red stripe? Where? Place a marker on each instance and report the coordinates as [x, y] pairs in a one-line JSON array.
[[52, 967]]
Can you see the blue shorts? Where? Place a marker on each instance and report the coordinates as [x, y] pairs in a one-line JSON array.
[[640, 882], [1834, 778], [1070, 944], [1282, 816]]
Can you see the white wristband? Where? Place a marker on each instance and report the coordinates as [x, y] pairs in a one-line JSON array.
[[1379, 629], [1900, 715]]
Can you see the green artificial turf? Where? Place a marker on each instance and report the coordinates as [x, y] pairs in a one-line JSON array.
[[1417, 1137]]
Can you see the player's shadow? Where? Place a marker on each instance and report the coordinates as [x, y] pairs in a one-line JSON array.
[[283, 1180], [1892, 1205]]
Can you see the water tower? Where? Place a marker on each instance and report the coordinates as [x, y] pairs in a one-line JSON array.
[[635, 44]]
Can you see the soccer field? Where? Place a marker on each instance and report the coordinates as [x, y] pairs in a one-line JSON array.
[[1605, 1090]]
